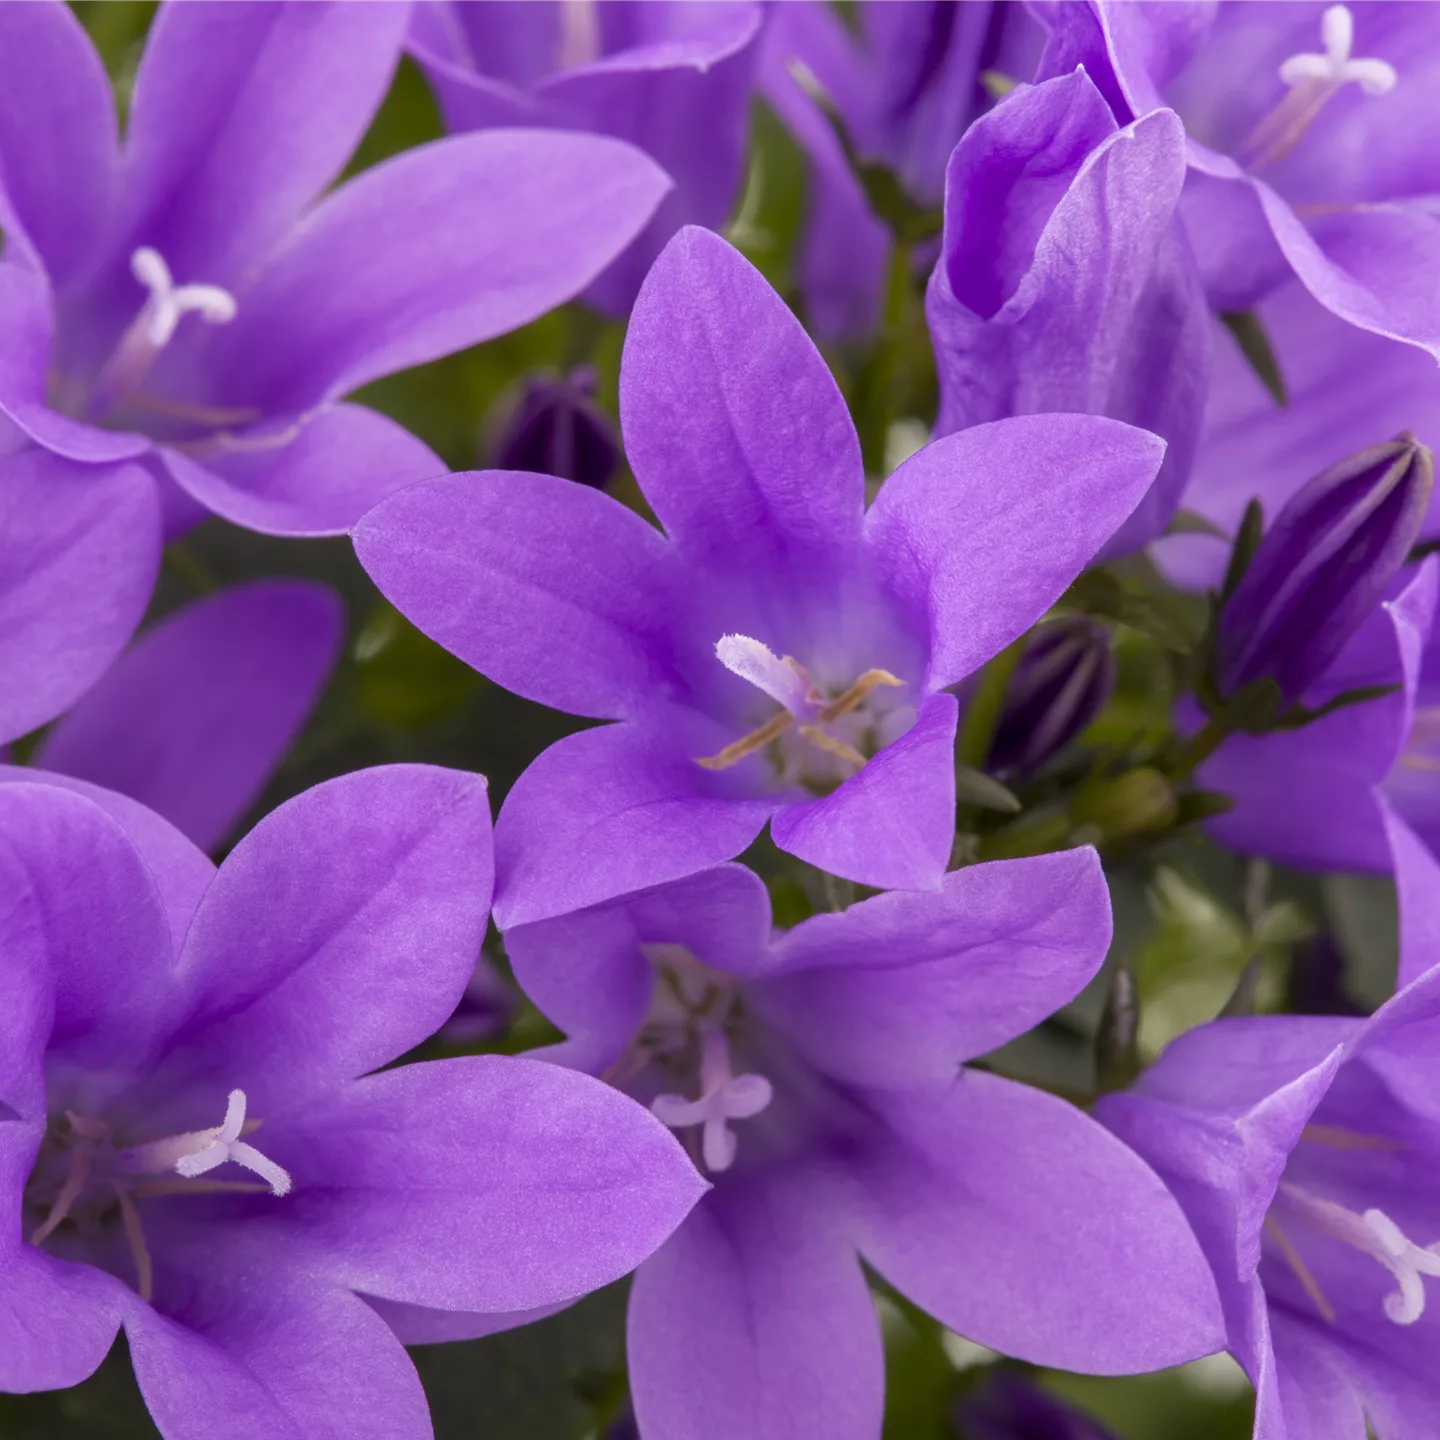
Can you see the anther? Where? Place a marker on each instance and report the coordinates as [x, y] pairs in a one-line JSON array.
[[724, 1096]]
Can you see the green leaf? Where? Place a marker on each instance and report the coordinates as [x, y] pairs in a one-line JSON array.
[[1141, 600], [1254, 343]]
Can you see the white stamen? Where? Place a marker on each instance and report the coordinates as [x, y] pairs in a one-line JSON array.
[[1374, 1234], [782, 680], [1335, 67], [154, 327], [724, 1096], [199, 1151]]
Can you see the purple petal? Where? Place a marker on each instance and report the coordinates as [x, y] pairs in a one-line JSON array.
[[58, 144], [242, 114], [899, 990], [1371, 265], [983, 530], [1017, 1221], [339, 932], [81, 547], [571, 1184], [587, 970], [552, 589], [73, 439], [608, 811], [57, 1320], [343, 460], [892, 824], [733, 423], [194, 719], [1417, 880], [435, 250], [755, 1320], [180, 871], [29, 330], [86, 907], [235, 1359]]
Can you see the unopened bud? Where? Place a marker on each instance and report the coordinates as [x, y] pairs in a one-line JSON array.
[[556, 428], [1135, 803], [1322, 568], [1060, 685]]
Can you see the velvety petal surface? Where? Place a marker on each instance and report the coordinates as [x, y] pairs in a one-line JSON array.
[[562, 1183], [608, 811], [339, 932], [900, 989], [58, 142], [79, 547], [437, 249], [241, 115], [755, 1320], [983, 530], [181, 872], [555, 590], [733, 424], [231, 1360], [1019, 1222], [195, 717], [340, 461], [588, 972], [891, 824]]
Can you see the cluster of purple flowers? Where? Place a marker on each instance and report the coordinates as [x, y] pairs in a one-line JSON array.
[[845, 830]]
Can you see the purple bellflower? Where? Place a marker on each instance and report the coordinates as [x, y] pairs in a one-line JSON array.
[[1308, 797], [672, 77], [1306, 1151], [1314, 142], [181, 311], [818, 1079], [194, 1143], [1322, 567], [906, 85], [778, 654], [1344, 390], [195, 717], [1065, 281]]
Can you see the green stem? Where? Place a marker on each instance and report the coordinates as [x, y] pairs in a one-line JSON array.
[[1199, 748]]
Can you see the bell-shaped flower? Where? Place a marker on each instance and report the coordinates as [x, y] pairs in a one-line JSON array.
[[778, 653], [198, 1140], [673, 77], [1065, 281], [1306, 1151], [189, 308], [1313, 138], [196, 715], [818, 1078]]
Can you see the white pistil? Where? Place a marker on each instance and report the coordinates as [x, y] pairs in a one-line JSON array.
[[200, 1151], [154, 327], [1313, 79], [724, 1096], [1374, 1234]]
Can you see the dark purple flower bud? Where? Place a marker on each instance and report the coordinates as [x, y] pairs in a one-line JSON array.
[[1322, 567], [558, 429], [485, 1009], [1060, 685], [1009, 1407]]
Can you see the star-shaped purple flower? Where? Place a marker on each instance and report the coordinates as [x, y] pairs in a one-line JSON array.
[[1313, 142], [673, 77], [182, 308], [779, 653], [197, 1141], [1306, 1151], [818, 1079]]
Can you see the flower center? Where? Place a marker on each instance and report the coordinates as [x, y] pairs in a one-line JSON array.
[[1313, 79], [1372, 1233], [152, 330], [724, 1096], [80, 1177], [848, 728]]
